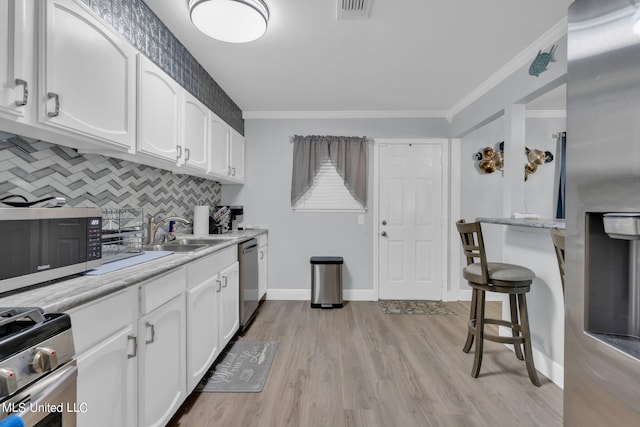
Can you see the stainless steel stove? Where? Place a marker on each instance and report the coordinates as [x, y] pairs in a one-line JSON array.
[[37, 368]]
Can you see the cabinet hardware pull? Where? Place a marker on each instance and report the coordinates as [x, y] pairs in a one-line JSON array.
[[224, 278], [187, 154], [219, 287], [153, 332], [383, 234], [233, 171], [56, 112], [25, 92], [261, 255], [135, 346], [179, 149]]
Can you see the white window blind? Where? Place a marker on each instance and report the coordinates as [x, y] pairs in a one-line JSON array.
[[328, 193]]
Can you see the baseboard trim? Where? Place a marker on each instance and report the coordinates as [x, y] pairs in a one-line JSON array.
[[305, 295]]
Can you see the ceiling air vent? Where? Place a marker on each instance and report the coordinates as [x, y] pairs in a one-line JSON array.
[[353, 9]]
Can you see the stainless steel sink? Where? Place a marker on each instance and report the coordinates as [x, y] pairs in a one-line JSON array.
[[183, 241], [175, 247]]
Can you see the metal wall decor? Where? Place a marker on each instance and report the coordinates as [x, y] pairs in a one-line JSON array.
[[491, 160], [535, 158], [541, 62]]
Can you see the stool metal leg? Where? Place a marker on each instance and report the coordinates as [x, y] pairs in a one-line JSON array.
[[477, 361], [513, 306], [472, 317], [528, 355]]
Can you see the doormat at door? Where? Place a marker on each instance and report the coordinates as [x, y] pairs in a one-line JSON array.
[[415, 307], [243, 369]]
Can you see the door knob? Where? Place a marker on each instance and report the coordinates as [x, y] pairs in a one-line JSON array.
[[383, 234]]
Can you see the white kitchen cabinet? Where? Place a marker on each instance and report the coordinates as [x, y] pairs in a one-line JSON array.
[[262, 265], [104, 335], [159, 113], [204, 312], [195, 126], [15, 76], [162, 348], [203, 300], [219, 134], [236, 156], [87, 76], [230, 303], [226, 158]]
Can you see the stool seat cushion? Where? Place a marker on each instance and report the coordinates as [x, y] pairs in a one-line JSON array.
[[498, 271]]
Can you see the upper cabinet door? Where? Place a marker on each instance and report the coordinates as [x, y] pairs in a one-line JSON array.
[[87, 75], [14, 82], [236, 157], [195, 133], [159, 112], [219, 145]]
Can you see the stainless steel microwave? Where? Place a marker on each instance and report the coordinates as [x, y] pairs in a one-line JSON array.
[[42, 244]]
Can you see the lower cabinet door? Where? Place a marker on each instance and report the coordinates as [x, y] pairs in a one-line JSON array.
[[230, 303], [106, 383], [162, 365], [202, 329]]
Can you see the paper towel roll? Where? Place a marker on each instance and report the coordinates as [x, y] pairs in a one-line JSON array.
[[200, 220]]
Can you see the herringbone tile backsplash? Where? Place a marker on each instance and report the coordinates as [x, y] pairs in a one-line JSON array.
[[36, 169]]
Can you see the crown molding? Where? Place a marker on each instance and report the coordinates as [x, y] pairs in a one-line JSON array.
[[406, 114], [523, 58]]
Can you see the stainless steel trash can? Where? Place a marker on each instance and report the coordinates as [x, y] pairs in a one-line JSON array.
[[326, 282]]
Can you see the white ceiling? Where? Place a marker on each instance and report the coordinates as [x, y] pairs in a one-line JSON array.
[[409, 56]]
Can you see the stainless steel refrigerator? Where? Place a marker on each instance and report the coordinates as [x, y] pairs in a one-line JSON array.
[[602, 328]]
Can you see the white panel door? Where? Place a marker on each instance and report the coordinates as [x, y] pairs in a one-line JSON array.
[[411, 220], [87, 74]]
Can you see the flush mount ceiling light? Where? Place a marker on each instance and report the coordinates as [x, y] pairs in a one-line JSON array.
[[234, 21]]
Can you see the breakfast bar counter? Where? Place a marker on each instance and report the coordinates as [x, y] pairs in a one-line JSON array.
[[526, 222]]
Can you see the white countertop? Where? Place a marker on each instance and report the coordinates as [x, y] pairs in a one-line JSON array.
[[64, 295], [533, 223]]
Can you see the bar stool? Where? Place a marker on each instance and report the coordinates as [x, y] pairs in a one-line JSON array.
[[483, 276], [557, 236]]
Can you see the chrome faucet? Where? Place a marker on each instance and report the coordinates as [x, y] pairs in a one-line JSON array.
[[155, 221]]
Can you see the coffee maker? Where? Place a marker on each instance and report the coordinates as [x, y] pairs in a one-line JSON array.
[[225, 219]]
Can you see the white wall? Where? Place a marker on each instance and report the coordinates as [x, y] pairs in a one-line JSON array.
[[295, 237]]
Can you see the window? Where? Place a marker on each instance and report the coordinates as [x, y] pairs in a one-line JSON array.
[[329, 174], [328, 193]]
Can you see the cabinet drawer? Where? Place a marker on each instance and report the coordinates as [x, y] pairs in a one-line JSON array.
[[94, 322], [262, 239], [202, 269], [158, 291]]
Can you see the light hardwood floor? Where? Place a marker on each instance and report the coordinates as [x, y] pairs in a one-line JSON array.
[[356, 366]]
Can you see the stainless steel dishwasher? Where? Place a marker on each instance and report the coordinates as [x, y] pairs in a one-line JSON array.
[[249, 296]]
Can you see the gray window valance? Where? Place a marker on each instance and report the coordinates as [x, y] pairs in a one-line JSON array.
[[348, 154]]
